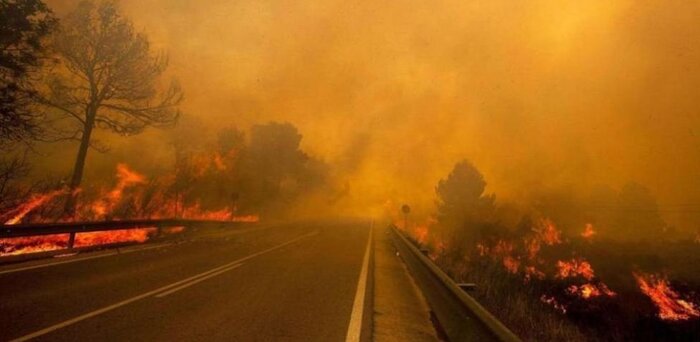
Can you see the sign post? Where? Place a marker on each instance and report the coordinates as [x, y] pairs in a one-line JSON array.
[[406, 210]]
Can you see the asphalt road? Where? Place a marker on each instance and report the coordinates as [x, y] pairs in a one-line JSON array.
[[294, 282]]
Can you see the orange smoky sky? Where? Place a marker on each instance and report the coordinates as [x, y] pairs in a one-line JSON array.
[[537, 94]]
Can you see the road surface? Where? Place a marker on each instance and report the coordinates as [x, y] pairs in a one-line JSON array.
[[294, 282]]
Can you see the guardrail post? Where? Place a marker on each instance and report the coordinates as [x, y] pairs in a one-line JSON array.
[[71, 240]]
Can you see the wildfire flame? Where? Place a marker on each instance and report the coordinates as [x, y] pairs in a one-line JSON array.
[[421, 234], [34, 202], [547, 232], [511, 264], [125, 178], [588, 290], [588, 232], [34, 244], [23, 245], [522, 257], [104, 208], [669, 303], [573, 268], [115, 236], [531, 272]]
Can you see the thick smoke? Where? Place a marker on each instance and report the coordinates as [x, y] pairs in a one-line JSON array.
[[540, 95]]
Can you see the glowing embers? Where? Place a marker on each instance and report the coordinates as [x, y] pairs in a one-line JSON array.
[[669, 303], [553, 302]]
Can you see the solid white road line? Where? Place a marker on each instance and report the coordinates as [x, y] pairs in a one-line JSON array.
[[151, 293], [13, 270], [163, 294], [358, 307]]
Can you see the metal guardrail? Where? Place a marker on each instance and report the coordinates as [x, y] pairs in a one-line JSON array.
[[72, 228], [461, 316]]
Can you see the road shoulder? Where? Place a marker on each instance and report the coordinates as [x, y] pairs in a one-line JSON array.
[[400, 311]]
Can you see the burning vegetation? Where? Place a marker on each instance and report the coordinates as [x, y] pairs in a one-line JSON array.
[[232, 179], [548, 283], [128, 199], [561, 256], [669, 303]]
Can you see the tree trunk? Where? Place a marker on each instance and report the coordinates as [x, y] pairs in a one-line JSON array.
[[69, 210]]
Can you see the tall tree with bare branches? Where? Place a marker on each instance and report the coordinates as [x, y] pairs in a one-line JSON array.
[[108, 79]]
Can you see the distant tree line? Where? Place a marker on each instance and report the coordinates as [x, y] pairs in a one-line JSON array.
[[263, 172], [466, 214]]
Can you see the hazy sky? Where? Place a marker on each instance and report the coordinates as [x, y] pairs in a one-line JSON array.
[[535, 93]]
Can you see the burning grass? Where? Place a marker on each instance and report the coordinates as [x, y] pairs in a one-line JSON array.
[[547, 286], [132, 197], [670, 305]]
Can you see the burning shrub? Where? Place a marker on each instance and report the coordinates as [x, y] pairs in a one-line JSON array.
[[578, 283], [266, 174]]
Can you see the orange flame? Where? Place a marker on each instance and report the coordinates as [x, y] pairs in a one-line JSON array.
[[204, 162], [533, 248], [588, 232], [588, 290], [103, 209], [573, 268], [125, 178], [218, 162], [547, 232], [511, 264], [116, 236], [502, 248], [531, 272], [669, 303], [34, 202], [34, 244], [421, 234]]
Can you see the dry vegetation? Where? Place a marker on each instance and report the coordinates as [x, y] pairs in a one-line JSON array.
[[573, 282]]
